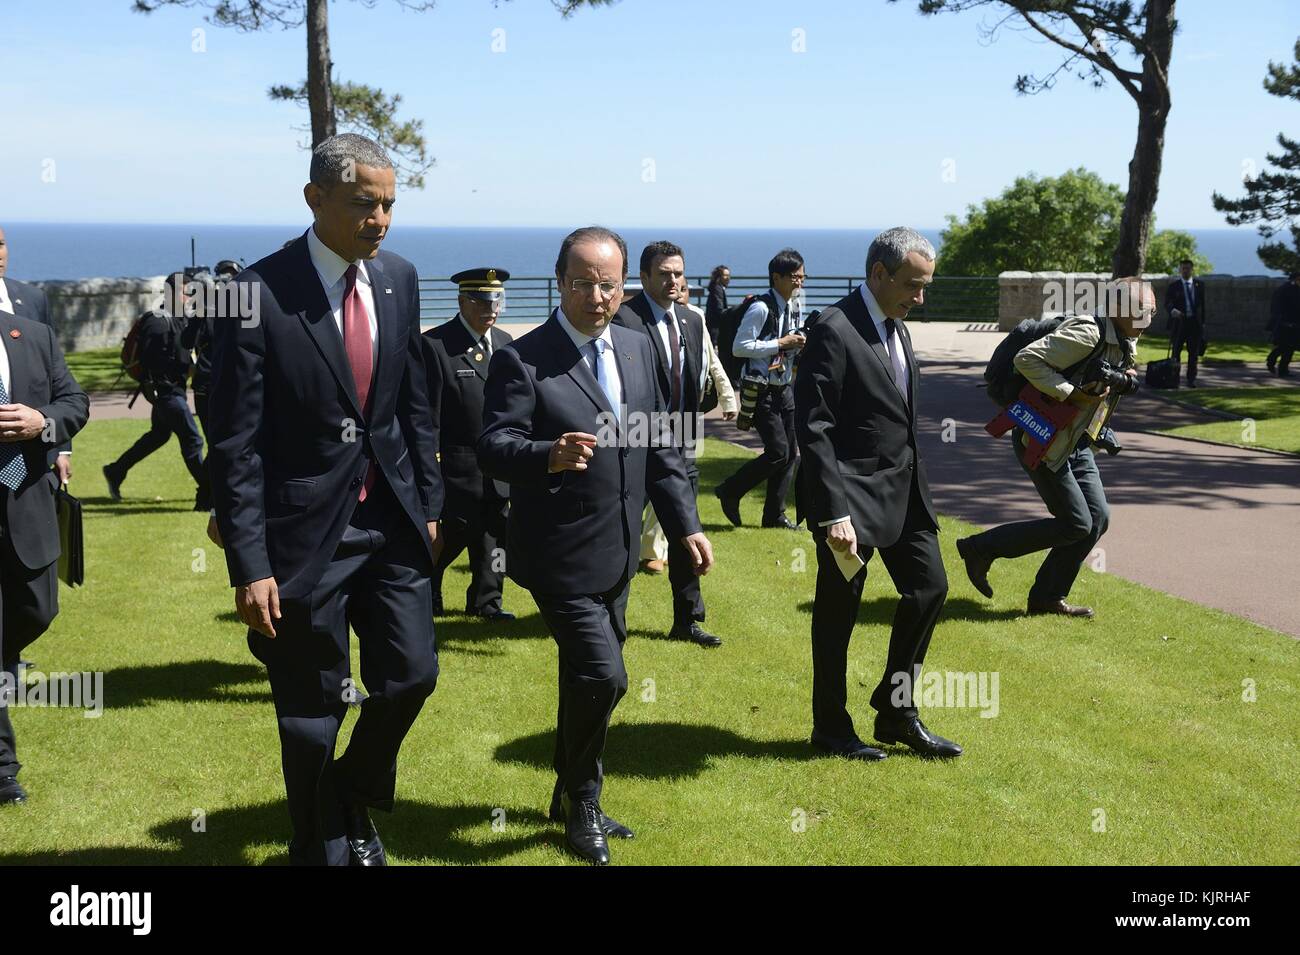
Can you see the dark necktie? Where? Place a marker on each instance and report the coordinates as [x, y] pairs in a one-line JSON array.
[[896, 357], [1191, 299], [356, 342], [675, 362]]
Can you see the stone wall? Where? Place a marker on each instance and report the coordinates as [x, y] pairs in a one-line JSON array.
[[1236, 306], [97, 313]]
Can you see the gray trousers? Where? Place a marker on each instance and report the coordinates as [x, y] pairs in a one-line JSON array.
[[1080, 515]]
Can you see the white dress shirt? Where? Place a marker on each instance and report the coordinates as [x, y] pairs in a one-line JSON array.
[[661, 326], [486, 336], [895, 347], [6, 305], [608, 364], [330, 266], [4, 369]]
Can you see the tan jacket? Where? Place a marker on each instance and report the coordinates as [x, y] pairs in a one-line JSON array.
[[721, 383], [1042, 361]]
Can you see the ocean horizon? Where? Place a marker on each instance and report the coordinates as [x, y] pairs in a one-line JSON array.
[[50, 251]]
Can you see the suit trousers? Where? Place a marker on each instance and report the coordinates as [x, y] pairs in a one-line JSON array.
[[774, 422], [1187, 331], [378, 584], [480, 530], [688, 602], [170, 415], [916, 568], [1080, 515], [29, 602], [589, 632]]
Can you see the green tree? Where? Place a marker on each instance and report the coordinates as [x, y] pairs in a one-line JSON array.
[[1067, 223], [1273, 198], [1127, 42]]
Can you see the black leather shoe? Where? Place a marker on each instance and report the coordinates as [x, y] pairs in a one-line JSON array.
[[612, 827], [850, 748], [11, 792], [583, 830], [977, 566], [114, 484], [364, 847], [782, 521], [696, 634], [912, 732], [1058, 607], [730, 507], [498, 615]]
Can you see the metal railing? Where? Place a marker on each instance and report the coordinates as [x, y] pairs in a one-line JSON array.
[[531, 298]]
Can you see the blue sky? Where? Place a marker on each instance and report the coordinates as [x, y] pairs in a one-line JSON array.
[[886, 117]]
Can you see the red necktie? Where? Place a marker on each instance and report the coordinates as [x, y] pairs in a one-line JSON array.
[[356, 342]]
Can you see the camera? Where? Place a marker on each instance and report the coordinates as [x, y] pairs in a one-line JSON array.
[[1108, 441], [751, 389], [1101, 372]]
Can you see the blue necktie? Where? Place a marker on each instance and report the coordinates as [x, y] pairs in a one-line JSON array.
[[598, 369], [13, 469]]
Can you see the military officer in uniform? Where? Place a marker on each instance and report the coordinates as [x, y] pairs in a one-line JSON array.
[[456, 355]]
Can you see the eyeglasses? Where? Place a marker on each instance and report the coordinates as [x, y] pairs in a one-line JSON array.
[[584, 287]]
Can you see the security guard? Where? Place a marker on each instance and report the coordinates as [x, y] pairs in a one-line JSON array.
[[456, 355]]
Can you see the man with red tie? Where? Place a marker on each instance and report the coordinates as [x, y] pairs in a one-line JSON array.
[[327, 493]]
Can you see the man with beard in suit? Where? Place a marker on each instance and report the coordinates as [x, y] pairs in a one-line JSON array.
[[456, 356], [676, 336], [862, 487]]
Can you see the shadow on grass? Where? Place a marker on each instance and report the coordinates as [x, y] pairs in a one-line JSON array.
[[880, 610], [416, 830], [191, 681], [659, 750]]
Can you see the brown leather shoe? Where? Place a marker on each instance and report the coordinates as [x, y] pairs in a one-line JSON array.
[[652, 566], [1059, 607]]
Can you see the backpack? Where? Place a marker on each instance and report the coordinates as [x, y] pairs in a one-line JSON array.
[[728, 325], [1004, 382], [132, 358]]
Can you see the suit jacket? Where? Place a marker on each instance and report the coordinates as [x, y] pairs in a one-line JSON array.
[[39, 378], [457, 369], [635, 314], [1176, 297], [285, 468], [578, 532], [29, 302], [857, 436]]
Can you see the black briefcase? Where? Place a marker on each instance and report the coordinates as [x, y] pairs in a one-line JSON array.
[[1164, 373], [72, 555]]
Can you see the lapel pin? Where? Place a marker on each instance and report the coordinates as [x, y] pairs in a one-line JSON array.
[[388, 291], [15, 333], [18, 301], [478, 357]]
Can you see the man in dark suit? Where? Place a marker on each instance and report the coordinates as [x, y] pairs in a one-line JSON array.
[[1185, 305], [456, 356], [863, 486], [27, 301], [327, 493], [41, 405], [570, 422], [676, 337], [1284, 325]]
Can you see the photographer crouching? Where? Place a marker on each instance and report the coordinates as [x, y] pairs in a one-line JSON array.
[[1088, 362]]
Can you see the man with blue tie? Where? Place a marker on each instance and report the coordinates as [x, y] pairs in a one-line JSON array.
[[572, 422], [41, 405], [1185, 304]]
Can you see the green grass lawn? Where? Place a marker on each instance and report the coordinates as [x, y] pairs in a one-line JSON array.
[[1136, 718], [1155, 347], [1269, 416], [97, 369]]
